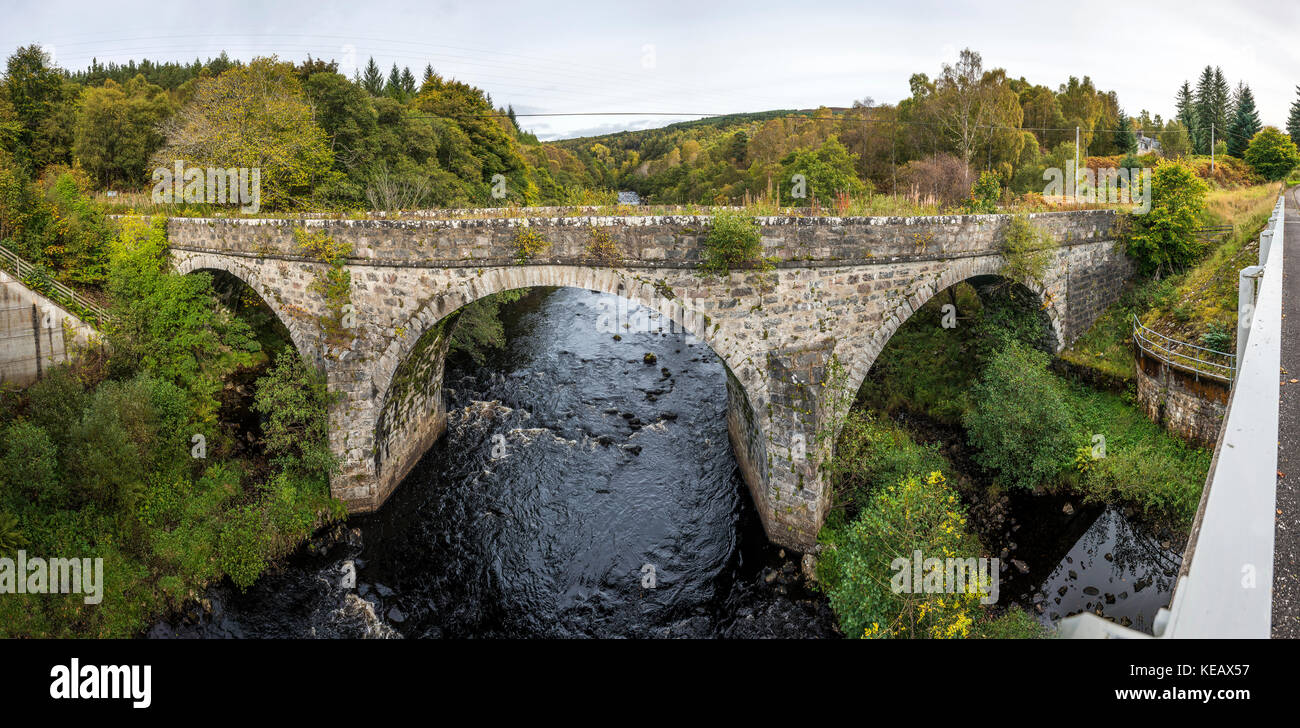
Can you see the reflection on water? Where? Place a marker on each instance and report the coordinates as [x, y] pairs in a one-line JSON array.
[[1116, 570]]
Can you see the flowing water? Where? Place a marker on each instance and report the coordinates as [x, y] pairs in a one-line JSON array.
[[581, 491]]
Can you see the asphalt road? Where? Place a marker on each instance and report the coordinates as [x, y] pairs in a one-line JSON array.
[[1286, 530]]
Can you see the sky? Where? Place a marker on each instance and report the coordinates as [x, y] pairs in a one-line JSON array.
[[683, 59]]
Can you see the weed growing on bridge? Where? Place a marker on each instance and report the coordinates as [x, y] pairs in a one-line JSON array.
[[334, 283], [529, 244], [603, 249], [1025, 250], [734, 241]]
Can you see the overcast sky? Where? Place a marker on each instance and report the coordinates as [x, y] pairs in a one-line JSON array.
[[705, 56]]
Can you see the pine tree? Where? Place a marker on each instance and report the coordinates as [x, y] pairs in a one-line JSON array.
[[429, 75], [1293, 121], [1204, 111], [1125, 140], [1245, 122], [373, 79], [1187, 109], [393, 89], [408, 82], [1222, 104]]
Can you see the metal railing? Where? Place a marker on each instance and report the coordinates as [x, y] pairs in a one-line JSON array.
[[1198, 361], [39, 281]]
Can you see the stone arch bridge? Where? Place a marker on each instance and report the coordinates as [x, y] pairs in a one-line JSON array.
[[797, 340]]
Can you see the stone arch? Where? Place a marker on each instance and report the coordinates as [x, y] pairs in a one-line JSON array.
[[960, 271], [304, 338], [412, 342]]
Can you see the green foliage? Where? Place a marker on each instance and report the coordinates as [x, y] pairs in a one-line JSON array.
[[1218, 337], [243, 546], [829, 171], [1026, 250], [10, 537], [129, 433], [1272, 154], [53, 224], [254, 116], [917, 513], [117, 131], [1015, 624], [528, 244], [293, 401], [168, 323], [1162, 240], [873, 452], [984, 195], [733, 241], [603, 249], [477, 328], [1018, 422], [29, 463]]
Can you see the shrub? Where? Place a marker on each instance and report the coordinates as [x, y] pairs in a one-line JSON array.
[[914, 514], [873, 453], [602, 248], [1162, 240], [733, 241], [244, 546], [293, 400], [984, 195], [29, 463], [1018, 421], [1025, 250], [529, 244], [1272, 154]]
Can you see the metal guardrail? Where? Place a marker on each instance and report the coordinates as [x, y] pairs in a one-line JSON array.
[[93, 314], [1198, 361]]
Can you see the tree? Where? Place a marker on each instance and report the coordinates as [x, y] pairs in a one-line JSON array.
[[373, 79], [1018, 420], [970, 108], [1125, 139], [117, 131], [35, 91], [1175, 141], [1163, 239], [1293, 121], [1186, 112], [255, 116], [1245, 122], [1272, 154], [828, 170]]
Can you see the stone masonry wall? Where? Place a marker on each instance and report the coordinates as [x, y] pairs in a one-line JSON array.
[[1189, 407]]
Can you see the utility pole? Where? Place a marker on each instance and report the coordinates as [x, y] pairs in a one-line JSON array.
[[1211, 146], [1074, 183]]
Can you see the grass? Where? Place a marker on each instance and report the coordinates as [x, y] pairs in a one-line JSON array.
[[1143, 465]]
